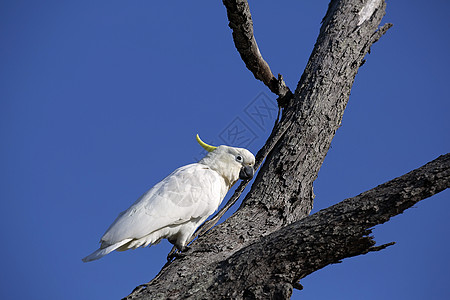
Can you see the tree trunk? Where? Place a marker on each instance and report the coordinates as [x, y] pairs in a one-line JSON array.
[[263, 249]]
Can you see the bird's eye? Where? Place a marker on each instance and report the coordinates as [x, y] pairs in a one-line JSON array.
[[239, 158]]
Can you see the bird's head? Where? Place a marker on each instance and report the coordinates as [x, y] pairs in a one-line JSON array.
[[230, 162]]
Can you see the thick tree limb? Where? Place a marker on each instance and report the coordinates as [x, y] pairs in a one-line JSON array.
[[238, 12], [335, 233]]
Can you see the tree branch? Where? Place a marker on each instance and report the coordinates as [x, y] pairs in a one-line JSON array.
[[335, 233], [238, 12]]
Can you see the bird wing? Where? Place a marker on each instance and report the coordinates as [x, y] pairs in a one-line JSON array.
[[190, 192]]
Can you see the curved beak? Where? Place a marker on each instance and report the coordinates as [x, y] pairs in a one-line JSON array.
[[246, 172]]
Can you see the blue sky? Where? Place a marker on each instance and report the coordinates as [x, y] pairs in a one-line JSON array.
[[99, 100]]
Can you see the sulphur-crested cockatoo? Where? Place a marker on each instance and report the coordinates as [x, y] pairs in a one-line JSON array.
[[176, 206]]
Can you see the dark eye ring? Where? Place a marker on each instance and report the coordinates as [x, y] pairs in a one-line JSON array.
[[239, 158]]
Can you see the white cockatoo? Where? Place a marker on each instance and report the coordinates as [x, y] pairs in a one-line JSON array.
[[176, 206]]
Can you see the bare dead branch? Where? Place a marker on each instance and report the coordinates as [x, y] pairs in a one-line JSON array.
[[340, 231], [240, 21]]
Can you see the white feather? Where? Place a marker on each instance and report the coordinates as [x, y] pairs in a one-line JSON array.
[[103, 251], [190, 192], [177, 205]]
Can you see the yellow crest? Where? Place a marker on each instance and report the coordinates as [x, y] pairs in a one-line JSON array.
[[207, 147]]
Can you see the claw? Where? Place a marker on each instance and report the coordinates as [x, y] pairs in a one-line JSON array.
[[175, 253]]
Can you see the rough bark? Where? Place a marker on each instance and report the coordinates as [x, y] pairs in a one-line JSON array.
[[272, 224]]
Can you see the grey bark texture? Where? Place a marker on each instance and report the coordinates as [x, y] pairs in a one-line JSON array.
[[271, 242]]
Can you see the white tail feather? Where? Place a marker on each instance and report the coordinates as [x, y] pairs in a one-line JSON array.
[[103, 251]]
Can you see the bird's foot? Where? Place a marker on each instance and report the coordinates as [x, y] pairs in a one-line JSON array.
[[175, 253], [172, 256]]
